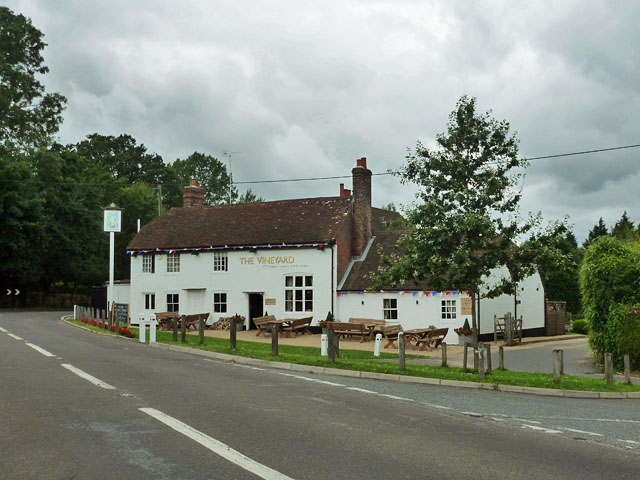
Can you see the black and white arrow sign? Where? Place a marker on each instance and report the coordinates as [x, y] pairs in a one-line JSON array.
[[9, 291]]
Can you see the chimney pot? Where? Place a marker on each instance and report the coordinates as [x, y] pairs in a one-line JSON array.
[[192, 195], [361, 162]]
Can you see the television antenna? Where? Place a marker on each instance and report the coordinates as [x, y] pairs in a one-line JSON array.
[[229, 155]]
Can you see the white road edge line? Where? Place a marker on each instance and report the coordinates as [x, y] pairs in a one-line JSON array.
[[394, 397], [15, 336], [540, 429], [581, 431], [362, 390], [315, 380], [40, 349], [89, 378], [3, 330], [216, 446]]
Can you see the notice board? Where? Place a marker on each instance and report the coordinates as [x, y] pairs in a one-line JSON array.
[[120, 313]]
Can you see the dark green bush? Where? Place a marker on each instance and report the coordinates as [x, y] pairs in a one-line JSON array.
[[623, 334], [580, 326]]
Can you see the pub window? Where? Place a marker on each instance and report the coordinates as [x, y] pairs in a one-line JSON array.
[[173, 262], [173, 302], [448, 309], [220, 261], [149, 301], [148, 263], [220, 302], [390, 308], [298, 293]]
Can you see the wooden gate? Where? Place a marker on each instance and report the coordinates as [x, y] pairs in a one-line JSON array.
[[555, 317]]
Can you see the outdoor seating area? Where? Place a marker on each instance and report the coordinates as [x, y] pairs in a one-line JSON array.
[[166, 320], [288, 326]]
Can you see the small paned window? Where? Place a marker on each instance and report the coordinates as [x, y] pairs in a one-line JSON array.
[[220, 262], [220, 302], [173, 262], [298, 293], [448, 309], [148, 263], [149, 301], [390, 308], [173, 302]]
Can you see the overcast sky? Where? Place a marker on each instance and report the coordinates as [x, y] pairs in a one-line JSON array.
[[301, 88]]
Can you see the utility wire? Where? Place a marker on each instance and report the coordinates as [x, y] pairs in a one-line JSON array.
[[307, 179]]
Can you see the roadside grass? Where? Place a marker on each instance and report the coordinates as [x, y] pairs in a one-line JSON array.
[[360, 360]]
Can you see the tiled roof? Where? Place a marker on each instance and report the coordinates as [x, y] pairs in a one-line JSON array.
[[287, 221], [386, 238]]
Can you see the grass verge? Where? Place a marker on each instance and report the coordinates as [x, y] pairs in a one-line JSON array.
[[387, 363]]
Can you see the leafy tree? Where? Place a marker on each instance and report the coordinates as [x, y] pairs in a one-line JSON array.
[[623, 229], [210, 173], [249, 197], [466, 222], [390, 207], [599, 230], [28, 115]]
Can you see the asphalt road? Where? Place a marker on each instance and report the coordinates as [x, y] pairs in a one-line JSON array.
[[164, 415]]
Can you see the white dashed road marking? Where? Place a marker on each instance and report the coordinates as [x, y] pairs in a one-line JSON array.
[[541, 429], [87, 377], [3, 330], [217, 447], [15, 336], [41, 350], [581, 431]]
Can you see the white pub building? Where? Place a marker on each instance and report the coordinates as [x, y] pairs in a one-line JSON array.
[[294, 259]]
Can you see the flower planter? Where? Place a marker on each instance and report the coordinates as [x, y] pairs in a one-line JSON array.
[[464, 339]]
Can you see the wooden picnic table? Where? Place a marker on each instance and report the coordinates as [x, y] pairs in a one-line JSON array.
[[415, 335], [270, 321]]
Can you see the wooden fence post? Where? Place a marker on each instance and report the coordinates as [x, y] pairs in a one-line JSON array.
[[183, 328], [401, 346], [464, 357], [487, 349], [561, 354], [557, 365], [508, 329], [444, 354], [274, 339], [232, 333], [627, 369], [175, 329], [501, 358], [331, 345], [608, 368], [200, 329], [480, 354]]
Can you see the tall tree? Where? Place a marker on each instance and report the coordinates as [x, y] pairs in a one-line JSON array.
[[466, 222], [598, 230], [623, 229], [249, 197], [28, 115]]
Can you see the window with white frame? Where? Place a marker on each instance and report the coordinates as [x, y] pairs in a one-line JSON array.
[[148, 263], [220, 302], [390, 308], [448, 309], [173, 302], [298, 293], [173, 262], [149, 301], [220, 263]]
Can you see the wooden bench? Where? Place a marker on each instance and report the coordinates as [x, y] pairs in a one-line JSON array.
[[433, 341], [165, 319], [193, 320], [298, 325], [391, 334], [262, 323], [348, 329], [372, 324]]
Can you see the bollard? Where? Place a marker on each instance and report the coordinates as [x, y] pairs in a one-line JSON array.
[[323, 344], [608, 368], [153, 325], [183, 328], [331, 343], [487, 349], [233, 330], [443, 346], [501, 358], [143, 329], [376, 348], [274, 339], [464, 357], [201, 329], [175, 329], [557, 367], [75, 312], [561, 362], [401, 346], [480, 355], [627, 369]]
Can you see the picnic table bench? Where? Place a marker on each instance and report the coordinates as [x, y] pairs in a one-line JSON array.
[[390, 333], [433, 339], [373, 325], [346, 329], [165, 319], [263, 323], [194, 319], [296, 325]]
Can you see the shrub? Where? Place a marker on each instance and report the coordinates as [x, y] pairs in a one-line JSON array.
[[623, 334], [580, 326]]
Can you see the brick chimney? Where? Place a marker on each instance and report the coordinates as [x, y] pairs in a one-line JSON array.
[[361, 206], [344, 192], [193, 195]]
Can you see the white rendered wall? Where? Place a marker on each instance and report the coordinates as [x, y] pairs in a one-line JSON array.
[[261, 272]]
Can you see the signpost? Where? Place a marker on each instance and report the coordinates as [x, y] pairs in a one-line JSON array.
[[112, 224]]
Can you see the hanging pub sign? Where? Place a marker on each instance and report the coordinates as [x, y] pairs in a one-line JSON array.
[[465, 305]]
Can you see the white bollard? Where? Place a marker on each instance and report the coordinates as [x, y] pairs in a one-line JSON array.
[[323, 345], [75, 312], [143, 329], [153, 324], [376, 349]]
